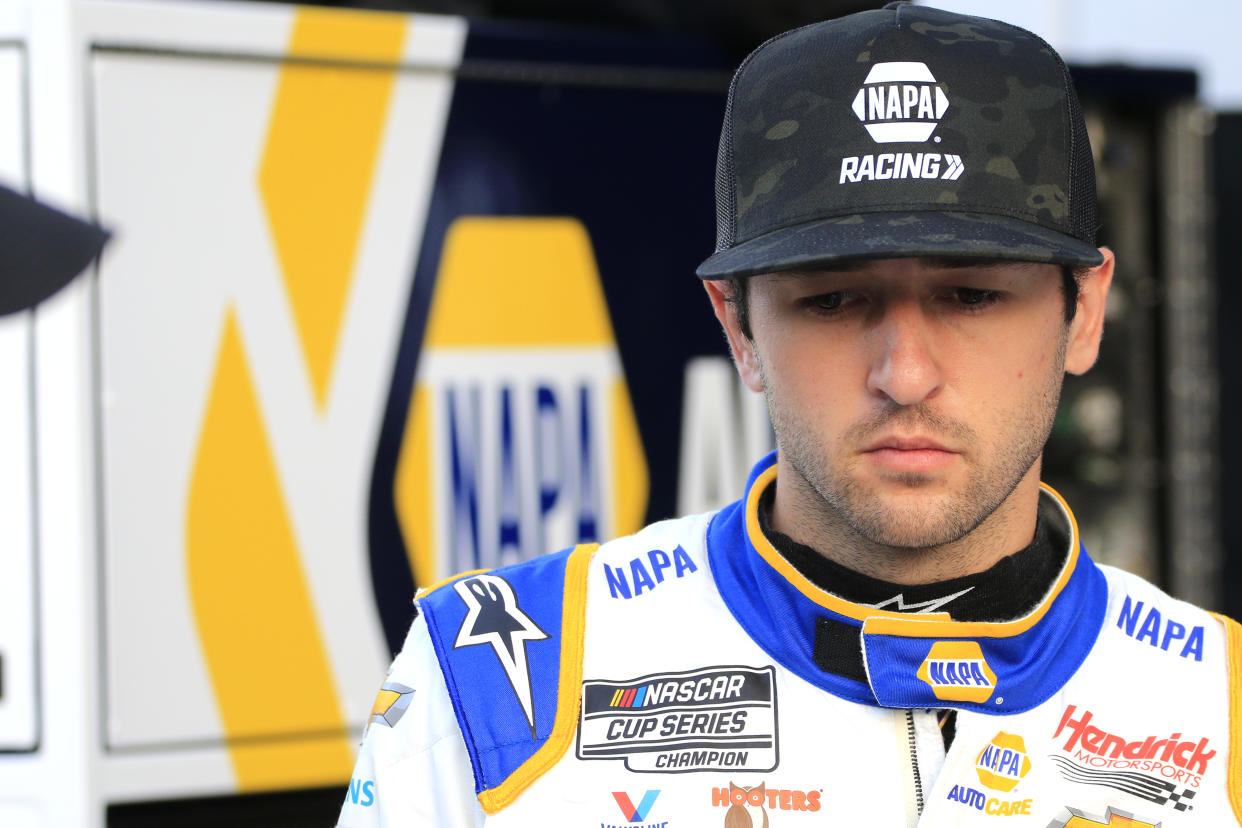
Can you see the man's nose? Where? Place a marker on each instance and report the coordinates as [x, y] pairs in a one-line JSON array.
[[905, 366]]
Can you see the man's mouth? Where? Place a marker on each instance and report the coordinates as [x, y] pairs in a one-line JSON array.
[[909, 453]]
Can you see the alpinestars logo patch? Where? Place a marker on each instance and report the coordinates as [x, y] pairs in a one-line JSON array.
[[494, 618], [898, 602]]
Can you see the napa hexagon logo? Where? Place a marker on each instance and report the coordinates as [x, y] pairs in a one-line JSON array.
[[900, 101], [521, 438], [1003, 762], [957, 671]]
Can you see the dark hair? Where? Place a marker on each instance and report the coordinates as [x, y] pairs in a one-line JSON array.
[[737, 296]]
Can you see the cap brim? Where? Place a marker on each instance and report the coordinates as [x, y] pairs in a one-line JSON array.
[[41, 249], [899, 235]]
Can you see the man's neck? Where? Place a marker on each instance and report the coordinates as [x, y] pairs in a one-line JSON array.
[[799, 512]]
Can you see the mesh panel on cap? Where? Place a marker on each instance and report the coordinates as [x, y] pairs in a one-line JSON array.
[[1081, 196], [726, 198], [1083, 220], [726, 192]]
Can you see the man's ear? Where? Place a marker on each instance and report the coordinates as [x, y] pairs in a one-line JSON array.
[[1088, 326], [742, 348]]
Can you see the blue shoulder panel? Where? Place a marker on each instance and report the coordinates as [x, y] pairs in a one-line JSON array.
[[498, 639]]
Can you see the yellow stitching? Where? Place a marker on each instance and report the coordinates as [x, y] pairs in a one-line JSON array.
[[568, 691], [1233, 638]]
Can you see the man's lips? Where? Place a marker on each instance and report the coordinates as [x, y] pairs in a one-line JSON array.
[[909, 454], [907, 444]]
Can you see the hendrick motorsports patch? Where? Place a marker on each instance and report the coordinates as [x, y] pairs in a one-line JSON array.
[[711, 719]]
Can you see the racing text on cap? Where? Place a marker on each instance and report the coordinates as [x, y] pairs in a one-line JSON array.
[[900, 102]]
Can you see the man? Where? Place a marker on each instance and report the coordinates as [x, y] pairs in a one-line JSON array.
[[896, 625]]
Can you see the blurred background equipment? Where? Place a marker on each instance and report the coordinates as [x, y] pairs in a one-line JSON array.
[[1134, 444], [395, 295]]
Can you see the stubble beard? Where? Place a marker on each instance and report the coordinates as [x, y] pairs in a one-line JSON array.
[[840, 504]]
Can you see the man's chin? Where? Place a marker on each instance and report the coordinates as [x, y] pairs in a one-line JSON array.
[[913, 482], [910, 489], [916, 517], [913, 538]]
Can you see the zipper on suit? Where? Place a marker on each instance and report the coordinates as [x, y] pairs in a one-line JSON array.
[[914, 760]]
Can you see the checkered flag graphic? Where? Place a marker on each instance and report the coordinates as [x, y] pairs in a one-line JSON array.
[[1178, 798], [1159, 791]]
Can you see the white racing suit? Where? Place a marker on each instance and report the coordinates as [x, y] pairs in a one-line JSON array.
[[666, 680]]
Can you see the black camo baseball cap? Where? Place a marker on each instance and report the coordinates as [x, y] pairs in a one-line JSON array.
[[902, 131]]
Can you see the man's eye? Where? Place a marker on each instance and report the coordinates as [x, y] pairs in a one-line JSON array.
[[973, 296], [827, 301]]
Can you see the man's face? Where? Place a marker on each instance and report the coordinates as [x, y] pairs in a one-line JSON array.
[[910, 397]]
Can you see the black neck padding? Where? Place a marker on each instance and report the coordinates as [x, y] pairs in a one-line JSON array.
[[1010, 589]]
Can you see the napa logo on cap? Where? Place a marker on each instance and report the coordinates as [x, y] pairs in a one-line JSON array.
[[521, 437], [957, 671], [1003, 762], [900, 102]]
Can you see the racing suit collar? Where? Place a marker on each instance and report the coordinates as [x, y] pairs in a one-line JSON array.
[[764, 476], [924, 660]]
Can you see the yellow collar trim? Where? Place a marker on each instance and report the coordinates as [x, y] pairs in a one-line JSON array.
[[887, 622]]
